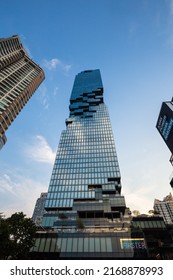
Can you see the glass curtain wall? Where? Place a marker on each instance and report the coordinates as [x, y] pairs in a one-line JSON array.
[[84, 204], [86, 176]]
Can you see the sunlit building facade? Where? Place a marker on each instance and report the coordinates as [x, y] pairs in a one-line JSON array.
[[86, 176], [39, 209], [86, 215], [165, 208], [19, 78]]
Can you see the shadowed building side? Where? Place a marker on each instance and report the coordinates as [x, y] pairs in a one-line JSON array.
[[19, 78]]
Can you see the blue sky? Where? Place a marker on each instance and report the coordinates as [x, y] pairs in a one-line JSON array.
[[131, 42]]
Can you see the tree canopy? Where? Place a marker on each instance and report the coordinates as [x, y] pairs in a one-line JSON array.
[[16, 236]]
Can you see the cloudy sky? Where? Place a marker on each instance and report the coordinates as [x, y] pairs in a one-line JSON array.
[[131, 42]]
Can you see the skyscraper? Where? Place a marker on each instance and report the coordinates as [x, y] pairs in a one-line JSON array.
[[165, 208], [19, 78], [165, 123], [86, 214], [39, 209], [86, 176], [165, 127]]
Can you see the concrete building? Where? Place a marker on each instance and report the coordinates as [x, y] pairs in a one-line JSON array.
[[165, 208], [39, 209], [20, 76]]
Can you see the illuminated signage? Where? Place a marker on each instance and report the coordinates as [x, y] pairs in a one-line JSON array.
[[132, 243], [165, 126], [167, 129]]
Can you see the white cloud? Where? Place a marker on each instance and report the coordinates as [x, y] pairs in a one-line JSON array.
[[23, 41], [66, 67], [40, 151], [54, 63], [6, 185], [51, 64], [55, 92], [18, 193], [43, 96], [139, 199]]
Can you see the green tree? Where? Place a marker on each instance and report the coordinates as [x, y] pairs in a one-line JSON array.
[[16, 236], [4, 238], [136, 212]]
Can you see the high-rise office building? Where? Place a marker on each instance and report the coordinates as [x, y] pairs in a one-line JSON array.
[[39, 209], [165, 208], [165, 127], [19, 78], [86, 214], [165, 123], [86, 176]]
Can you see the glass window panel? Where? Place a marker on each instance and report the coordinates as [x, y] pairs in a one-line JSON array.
[[91, 244], [47, 246], [57, 203], [150, 224], [155, 224], [68, 203], [42, 243], [97, 244], [69, 194], [60, 203], [108, 245], [86, 244], [53, 244], [63, 244], [162, 224], [36, 245], [69, 244], [103, 244], [54, 203], [58, 245], [64, 202], [74, 245], [142, 224], [46, 203], [80, 244]]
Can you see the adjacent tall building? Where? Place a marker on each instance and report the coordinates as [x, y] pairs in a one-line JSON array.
[[39, 209], [165, 128], [86, 215], [165, 208], [19, 78], [165, 124]]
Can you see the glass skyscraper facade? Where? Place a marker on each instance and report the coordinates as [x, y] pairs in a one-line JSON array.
[[86, 176], [86, 215], [165, 127], [165, 123]]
